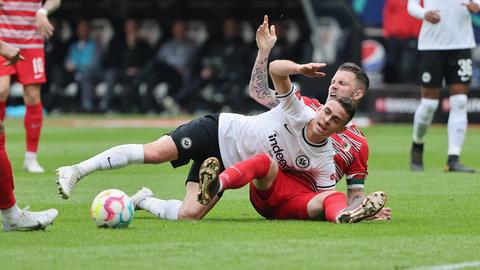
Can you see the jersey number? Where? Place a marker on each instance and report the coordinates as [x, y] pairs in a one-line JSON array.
[[37, 65], [465, 69]]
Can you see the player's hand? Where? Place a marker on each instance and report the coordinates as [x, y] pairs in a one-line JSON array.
[[43, 25], [312, 70], [432, 16], [12, 54], [472, 6], [384, 214], [265, 36]]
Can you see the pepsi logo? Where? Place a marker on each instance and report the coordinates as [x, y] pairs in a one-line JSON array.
[[373, 55]]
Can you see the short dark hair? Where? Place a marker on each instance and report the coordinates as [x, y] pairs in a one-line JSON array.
[[360, 75], [348, 105]]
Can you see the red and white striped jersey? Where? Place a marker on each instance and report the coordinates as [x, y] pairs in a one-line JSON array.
[[351, 155], [351, 151], [17, 18]]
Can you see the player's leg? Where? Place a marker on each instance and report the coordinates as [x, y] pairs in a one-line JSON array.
[[457, 127], [13, 217], [431, 76], [159, 151], [33, 126], [4, 89], [259, 167], [459, 75]]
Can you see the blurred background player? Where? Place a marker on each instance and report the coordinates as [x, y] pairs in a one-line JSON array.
[[444, 44], [13, 218], [24, 24]]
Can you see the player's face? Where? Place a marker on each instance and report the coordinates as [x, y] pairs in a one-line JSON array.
[[343, 84], [329, 119]]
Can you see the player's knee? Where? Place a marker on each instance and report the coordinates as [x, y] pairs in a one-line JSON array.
[[1, 127]]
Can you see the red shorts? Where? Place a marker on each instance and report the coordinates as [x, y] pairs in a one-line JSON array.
[[29, 71], [286, 199]]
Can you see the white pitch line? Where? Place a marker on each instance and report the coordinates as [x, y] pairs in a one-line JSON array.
[[449, 266]]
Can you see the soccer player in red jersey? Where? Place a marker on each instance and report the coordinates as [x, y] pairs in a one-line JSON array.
[[14, 218], [24, 24]]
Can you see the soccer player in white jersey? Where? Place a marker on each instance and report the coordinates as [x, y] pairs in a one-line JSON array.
[[293, 133], [289, 193], [24, 24], [444, 45], [14, 218]]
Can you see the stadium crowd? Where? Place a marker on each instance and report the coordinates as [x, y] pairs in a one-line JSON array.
[[143, 67]]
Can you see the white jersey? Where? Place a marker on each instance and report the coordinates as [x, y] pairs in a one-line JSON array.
[[280, 132], [454, 31]]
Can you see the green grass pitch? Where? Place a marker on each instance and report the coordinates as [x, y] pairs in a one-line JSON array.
[[436, 216]]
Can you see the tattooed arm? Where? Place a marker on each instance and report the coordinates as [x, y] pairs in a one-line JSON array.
[[258, 86], [259, 90]]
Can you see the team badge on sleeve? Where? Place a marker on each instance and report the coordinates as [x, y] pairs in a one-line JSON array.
[[186, 143]]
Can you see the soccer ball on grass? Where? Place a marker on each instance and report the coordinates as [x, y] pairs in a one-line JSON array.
[[112, 208]]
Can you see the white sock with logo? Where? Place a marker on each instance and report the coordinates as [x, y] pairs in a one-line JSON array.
[[164, 209], [457, 123], [113, 158], [423, 118]]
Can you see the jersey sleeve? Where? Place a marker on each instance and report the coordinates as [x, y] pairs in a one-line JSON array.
[[357, 172], [296, 113], [415, 9]]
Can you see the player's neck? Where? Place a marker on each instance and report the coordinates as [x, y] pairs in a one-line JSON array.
[[314, 139]]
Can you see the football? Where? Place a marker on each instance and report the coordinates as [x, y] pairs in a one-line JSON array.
[[112, 208]]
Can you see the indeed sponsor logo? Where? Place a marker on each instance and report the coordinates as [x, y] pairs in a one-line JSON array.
[[277, 151]]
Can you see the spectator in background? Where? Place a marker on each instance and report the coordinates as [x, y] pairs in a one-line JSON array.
[[124, 59], [55, 52], [171, 65], [223, 66], [283, 48], [82, 64], [400, 31]]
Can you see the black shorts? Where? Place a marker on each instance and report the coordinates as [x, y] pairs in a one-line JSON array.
[[197, 140], [455, 66]]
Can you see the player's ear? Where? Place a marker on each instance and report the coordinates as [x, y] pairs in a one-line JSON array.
[[358, 95]]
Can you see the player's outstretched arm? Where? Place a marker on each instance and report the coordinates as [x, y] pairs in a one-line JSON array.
[[259, 90], [41, 18], [12, 54], [280, 70]]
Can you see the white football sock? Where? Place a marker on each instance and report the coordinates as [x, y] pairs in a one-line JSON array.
[[113, 158], [457, 123], [30, 155], [164, 209], [423, 118], [11, 213]]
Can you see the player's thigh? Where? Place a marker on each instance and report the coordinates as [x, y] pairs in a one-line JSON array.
[[191, 209], [459, 70], [431, 68], [161, 150]]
